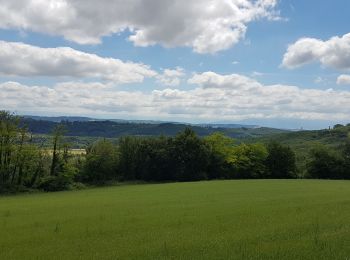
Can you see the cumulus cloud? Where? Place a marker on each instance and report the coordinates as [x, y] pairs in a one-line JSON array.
[[19, 59], [70, 97], [343, 80], [213, 97], [244, 98], [171, 77], [333, 53], [206, 26]]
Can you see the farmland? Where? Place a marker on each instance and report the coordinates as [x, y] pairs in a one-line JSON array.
[[236, 219]]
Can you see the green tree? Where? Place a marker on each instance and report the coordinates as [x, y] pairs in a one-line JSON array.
[[325, 164], [20, 161], [9, 127], [221, 150], [154, 160], [128, 153], [101, 162], [249, 161], [280, 162], [346, 158], [57, 137], [190, 155]]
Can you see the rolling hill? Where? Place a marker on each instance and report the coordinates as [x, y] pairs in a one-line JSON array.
[[113, 128]]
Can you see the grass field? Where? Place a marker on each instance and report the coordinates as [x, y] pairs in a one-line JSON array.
[[248, 219]]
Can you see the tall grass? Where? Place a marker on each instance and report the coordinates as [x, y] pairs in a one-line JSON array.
[[262, 219]]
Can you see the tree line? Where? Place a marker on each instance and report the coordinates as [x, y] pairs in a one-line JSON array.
[[183, 157]]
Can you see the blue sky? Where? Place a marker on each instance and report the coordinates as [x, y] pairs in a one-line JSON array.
[[285, 68]]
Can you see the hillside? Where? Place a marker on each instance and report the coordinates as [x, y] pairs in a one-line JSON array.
[[112, 129], [303, 141]]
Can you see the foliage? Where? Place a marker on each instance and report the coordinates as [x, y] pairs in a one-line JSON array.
[[185, 156], [63, 181], [181, 158], [221, 155], [21, 163], [302, 142], [190, 155], [249, 161], [101, 161], [54, 183], [280, 162], [328, 164]]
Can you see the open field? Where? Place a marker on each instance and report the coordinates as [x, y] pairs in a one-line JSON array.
[[250, 219]]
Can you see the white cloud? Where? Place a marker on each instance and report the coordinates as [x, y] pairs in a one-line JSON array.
[[214, 97], [171, 77], [232, 81], [19, 59], [333, 53], [343, 80], [241, 97], [70, 97], [206, 26]]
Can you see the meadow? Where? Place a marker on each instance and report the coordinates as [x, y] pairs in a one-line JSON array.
[[238, 219]]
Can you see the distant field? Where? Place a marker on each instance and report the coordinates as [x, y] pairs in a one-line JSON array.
[[71, 151], [248, 219]]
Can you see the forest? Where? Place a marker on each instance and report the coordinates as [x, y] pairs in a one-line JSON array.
[[27, 166]]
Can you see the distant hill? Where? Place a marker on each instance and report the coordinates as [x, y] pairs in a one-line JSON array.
[[308, 138], [111, 128], [303, 141], [227, 125], [58, 119]]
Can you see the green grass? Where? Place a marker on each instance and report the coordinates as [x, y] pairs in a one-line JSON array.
[[248, 219]]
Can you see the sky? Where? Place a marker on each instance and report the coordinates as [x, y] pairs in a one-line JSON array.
[[277, 63]]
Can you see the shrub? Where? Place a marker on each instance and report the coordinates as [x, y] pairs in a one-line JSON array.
[[55, 183]]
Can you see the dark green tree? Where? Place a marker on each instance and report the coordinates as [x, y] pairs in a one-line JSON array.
[[19, 159], [190, 155], [325, 164], [57, 137], [101, 162], [128, 156], [280, 162]]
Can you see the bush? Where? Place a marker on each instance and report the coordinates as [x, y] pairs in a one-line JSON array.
[[12, 189], [78, 186], [55, 183]]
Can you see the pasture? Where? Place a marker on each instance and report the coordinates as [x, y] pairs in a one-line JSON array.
[[245, 219]]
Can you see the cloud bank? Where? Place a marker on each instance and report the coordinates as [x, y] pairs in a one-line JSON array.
[[214, 97]]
